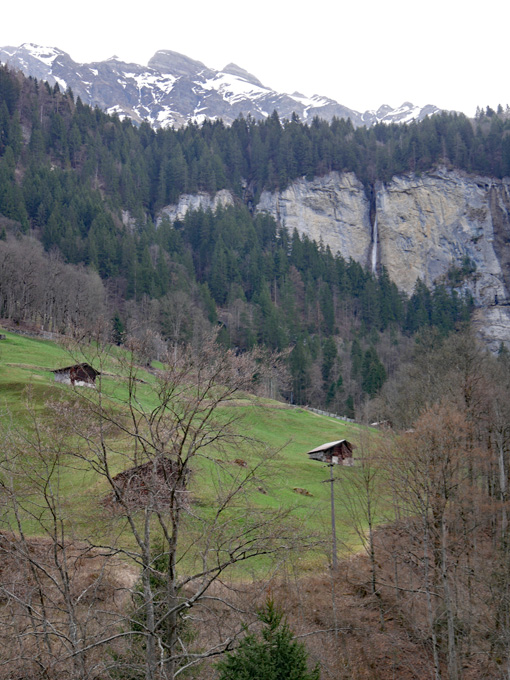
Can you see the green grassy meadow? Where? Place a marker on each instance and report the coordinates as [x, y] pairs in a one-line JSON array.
[[26, 365]]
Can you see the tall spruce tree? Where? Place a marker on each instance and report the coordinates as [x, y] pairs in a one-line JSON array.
[[272, 655], [373, 373]]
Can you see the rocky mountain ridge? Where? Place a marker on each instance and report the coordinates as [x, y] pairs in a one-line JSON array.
[[434, 226], [174, 89]]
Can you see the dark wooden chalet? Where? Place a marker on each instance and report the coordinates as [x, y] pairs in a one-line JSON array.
[[338, 453], [79, 374]]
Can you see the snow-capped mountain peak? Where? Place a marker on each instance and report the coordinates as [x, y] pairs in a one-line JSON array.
[[46, 55], [235, 70], [174, 89]]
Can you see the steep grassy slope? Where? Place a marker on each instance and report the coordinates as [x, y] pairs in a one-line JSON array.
[[25, 370]]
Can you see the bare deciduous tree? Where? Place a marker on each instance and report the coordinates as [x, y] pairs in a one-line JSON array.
[[43, 289], [171, 503], [361, 494], [431, 474]]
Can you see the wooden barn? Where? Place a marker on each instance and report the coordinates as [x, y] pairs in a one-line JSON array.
[[337, 453], [79, 374]]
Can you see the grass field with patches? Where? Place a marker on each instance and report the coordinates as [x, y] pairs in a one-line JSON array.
[[26, 365]]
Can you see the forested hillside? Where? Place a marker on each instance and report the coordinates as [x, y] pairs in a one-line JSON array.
[[89, 187], [105, 578]]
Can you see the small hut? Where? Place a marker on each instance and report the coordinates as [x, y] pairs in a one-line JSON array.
[[337, 453], [82, 375]]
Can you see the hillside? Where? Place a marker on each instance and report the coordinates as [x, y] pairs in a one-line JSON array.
[[144, 521], [425, 514], [208, 502], [26, 365], [91, 189]]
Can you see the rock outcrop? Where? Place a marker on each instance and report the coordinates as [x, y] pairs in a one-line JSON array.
[[435, 226], [426, 225], [493, 325], [200, 201], [334, 209], [439, 220]]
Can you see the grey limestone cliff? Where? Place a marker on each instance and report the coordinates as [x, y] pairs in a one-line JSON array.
[[200, 201], [493, 325], [415, 226], [425, 224], [429, 223], [334, 209]]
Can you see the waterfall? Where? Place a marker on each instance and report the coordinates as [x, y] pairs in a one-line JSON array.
[[374, 246]]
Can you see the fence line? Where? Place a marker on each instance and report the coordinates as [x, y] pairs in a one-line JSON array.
[[325, 413]]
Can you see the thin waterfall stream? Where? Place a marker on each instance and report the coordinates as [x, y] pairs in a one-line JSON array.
[[373, 258]]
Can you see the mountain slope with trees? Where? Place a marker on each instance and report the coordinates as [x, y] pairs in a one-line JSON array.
[[89, 187], [80, 250]]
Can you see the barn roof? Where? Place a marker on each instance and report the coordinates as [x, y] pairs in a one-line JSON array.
[[85, 366], [330, 445]]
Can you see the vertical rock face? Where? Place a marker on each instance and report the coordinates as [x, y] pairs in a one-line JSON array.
[[334, 209], [425, 225], [428, 224], [493, 325], [200, 201]]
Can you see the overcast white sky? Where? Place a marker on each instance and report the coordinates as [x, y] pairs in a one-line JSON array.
[[363, 54]]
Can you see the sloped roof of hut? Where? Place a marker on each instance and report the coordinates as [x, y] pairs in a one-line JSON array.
[[330, 445], [86, 367]]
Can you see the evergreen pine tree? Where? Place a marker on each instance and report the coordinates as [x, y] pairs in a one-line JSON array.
[[349, 407], [273, 655], [299, 363], [118, 329], [373, 373], [329, 354]]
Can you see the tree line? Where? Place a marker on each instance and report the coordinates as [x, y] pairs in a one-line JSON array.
[[90, 185], [143, 169]]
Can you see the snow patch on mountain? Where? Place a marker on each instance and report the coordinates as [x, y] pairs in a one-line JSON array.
[[174, 89], [310, 102], [233, 89], [45, 54], [61, 83], [116, 110], [152, 80]]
